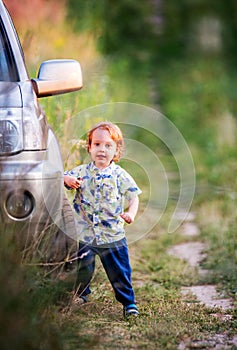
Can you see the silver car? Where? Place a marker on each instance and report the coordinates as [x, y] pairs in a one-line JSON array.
[[31, 171]]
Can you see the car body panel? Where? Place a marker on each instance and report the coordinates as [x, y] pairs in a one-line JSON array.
[[31, 169], [10, 95]]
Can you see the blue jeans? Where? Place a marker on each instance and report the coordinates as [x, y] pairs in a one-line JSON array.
[[115, 260]]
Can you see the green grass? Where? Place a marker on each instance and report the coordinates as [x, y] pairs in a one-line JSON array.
[[39, 302], [35, 305], [24, 321], [218, 223], [165, 319]]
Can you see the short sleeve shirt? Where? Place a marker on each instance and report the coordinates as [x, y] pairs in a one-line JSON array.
[[100, 200]]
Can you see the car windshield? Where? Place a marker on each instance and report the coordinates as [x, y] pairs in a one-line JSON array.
[[7, 66]]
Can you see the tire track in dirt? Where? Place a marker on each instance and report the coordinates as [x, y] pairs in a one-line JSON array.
[[194, 253]]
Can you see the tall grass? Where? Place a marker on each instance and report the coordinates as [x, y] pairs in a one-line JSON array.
[[200, 104], [23, 323]]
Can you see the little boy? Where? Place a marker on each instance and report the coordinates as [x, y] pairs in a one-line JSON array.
[[102, 189]]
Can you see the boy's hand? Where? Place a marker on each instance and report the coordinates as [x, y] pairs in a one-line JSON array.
[[127, 217], [72, 181]]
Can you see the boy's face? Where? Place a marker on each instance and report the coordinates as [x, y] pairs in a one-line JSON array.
[[102, 149]]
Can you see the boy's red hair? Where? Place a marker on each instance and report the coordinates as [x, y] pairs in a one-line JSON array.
[[116, 136]]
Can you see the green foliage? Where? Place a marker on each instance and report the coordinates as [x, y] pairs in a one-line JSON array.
[[153, 31], [165, 318], [86, 15], [23, 323], [196, 98], [220, 234], [121, 28], [197, 93]]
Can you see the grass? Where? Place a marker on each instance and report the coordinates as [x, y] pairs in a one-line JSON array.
[[218, 229], [35, 305], [165, 318], [40, 303], [23, 323]]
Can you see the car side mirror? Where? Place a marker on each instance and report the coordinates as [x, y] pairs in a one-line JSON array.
[[58, 77]]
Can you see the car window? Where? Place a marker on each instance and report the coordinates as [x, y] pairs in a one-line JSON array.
[[8, 70], [4, 73]]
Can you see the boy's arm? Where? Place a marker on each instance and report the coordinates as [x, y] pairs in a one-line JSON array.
[[72, 182], [130, 214]]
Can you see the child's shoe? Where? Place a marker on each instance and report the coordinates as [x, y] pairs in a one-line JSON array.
[[79, 300], [130, 310]]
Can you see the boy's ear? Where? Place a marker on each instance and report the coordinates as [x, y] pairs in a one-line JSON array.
[[116, 154]]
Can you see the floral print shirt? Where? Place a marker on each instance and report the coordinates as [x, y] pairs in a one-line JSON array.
[[100, 200]]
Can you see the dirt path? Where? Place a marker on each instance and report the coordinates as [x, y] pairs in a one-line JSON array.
[[194, 252]]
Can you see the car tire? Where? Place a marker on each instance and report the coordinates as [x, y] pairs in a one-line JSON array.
[[60, 246]]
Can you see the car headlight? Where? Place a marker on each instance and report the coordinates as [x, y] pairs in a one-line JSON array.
[[32, 133], [20, 204], [17, 132], [9, 136]]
